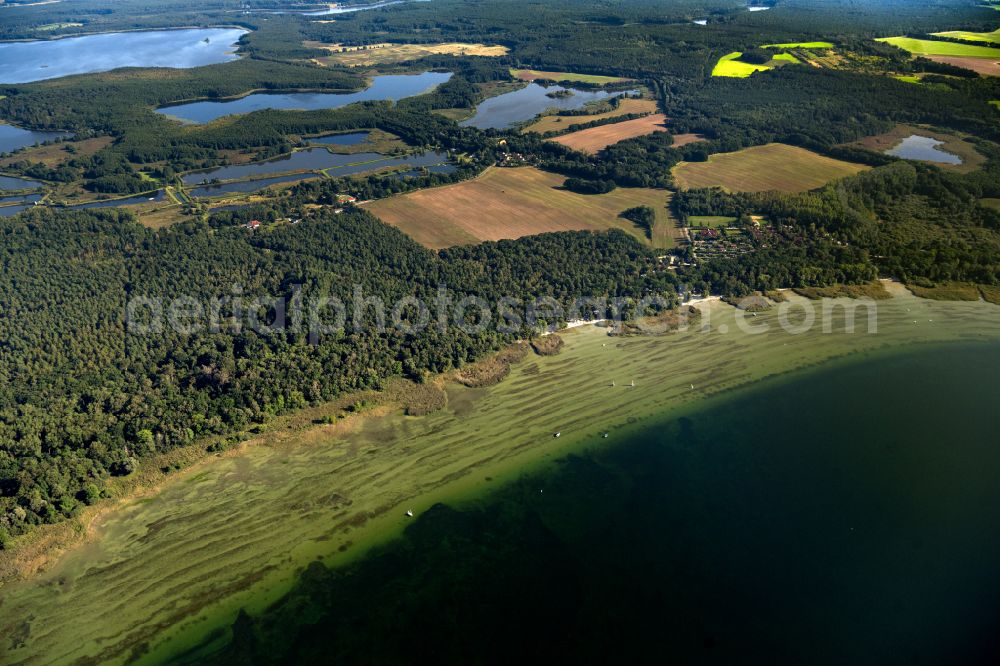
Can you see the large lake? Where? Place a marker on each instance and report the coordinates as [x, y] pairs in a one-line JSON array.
[[844, 514], [14, 138], [819, 519], [521, 105], [389, 87], [924, 149], [22, 62]]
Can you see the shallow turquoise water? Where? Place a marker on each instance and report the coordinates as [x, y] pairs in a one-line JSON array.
[[845, 514]]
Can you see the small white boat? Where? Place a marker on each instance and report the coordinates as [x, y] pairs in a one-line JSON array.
[[692, 386], [409, 513], [612, 383], [557, 434], [605, 435], [633, 383]]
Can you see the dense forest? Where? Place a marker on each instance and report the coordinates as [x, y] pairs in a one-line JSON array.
[[81, 399]]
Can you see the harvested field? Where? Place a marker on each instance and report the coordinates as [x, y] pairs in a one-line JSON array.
[[387, 53], [775, 166], [984, 66], [557, 123], [511, 203], [595, 139], [595, 79]]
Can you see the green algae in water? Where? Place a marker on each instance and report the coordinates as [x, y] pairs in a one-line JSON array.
[[846, 515]]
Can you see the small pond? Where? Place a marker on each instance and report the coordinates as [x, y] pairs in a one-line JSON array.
[[924, 149]]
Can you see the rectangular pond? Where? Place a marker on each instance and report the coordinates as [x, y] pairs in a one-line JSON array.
[[16, 184]]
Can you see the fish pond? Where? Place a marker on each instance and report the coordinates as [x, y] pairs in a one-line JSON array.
[[17, 184], [263, 174], [386, 87]]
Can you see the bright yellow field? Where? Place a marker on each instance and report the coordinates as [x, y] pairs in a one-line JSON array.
[[625, 107], [775, 166], [728, 65], [511, 203], [386, 53]]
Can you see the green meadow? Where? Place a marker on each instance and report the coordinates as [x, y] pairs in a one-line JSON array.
[[931, 47], [991, 37], [800, 45], [170, 570], [710, 220]]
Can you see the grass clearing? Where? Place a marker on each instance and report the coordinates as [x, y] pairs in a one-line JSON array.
[[930, 47], [713, 221], [990, 293], [991, 203], [555, 123], [511, 203], [595, 139], [775, 166], [800, 45], [873, 290], [55, 154], [989, 37], [388, 53], [594, 79], [947, 291], [953, 143]]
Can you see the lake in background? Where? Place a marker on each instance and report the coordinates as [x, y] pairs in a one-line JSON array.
[[14, 138], [22, 62], [388, 87], [842, 515], [521, 105], [924, 149]]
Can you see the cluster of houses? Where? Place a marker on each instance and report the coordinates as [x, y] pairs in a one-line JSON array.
[[342, 199], [729, 242]]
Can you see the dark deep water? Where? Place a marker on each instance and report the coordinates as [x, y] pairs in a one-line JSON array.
[[844, 515]]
